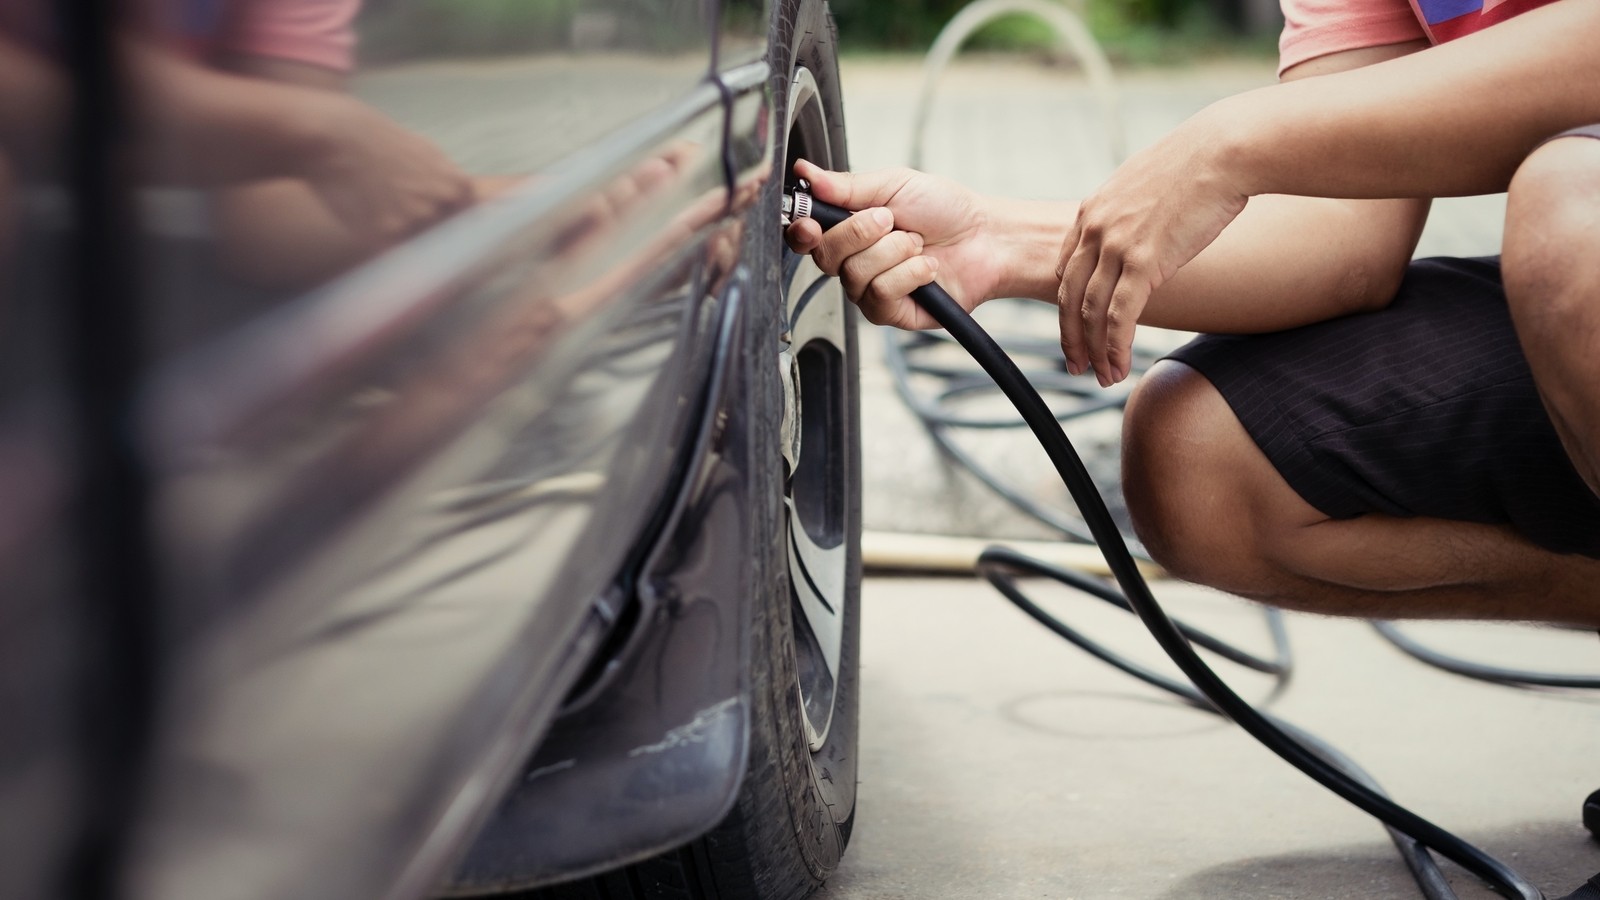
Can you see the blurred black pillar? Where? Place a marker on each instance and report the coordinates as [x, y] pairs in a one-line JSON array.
[[102, 342]]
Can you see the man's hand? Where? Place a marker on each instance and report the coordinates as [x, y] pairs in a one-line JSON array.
[[943, 231], [1160, 209]]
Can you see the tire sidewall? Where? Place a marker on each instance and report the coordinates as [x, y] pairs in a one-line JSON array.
[[818, 789]]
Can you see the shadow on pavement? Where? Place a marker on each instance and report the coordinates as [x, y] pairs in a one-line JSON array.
[[1556, 855]]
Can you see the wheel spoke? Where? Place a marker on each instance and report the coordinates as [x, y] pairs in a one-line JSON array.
[[819, 583], [816, 308]]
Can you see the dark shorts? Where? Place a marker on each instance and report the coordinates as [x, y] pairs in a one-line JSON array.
[[1426, 408]]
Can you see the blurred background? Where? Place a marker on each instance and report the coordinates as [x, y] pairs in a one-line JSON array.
[[1130, 31]]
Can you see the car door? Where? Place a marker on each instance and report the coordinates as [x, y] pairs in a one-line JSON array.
[[405, 420]]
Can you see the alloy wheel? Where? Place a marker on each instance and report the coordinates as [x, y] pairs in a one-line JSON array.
[[812, 359]]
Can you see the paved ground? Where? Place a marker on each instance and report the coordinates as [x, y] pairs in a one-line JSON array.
[[1000, 763]]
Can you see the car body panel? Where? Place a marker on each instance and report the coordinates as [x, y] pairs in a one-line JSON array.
[[392, 509], [46, 660], [381, 617], [656, 759], [743, 29], [398, 510], [43, 674]]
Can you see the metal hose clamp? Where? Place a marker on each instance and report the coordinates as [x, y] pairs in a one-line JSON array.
[[797, 204]]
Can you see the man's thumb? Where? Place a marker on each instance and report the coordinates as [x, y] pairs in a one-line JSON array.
[[852, 190], [829, 187]]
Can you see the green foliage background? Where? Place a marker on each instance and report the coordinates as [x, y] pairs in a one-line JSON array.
[[1137, 31], [400, 29]]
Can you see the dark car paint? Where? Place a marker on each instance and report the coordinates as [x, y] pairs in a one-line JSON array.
[[346, 690], [656, 758], [51, 485], [42, 647], [653, 754]]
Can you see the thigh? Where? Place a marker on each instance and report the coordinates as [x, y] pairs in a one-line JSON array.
[[1426, 408]]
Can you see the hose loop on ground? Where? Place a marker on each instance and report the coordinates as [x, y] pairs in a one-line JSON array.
[[1311, 757]]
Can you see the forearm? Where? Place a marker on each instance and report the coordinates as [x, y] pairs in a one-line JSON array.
[[1289, 261], [212, 127], [1285, 261], [1026, 240], [1453, 120]]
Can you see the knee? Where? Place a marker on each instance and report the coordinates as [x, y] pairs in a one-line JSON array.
[[1549, 257], [1190, 501]]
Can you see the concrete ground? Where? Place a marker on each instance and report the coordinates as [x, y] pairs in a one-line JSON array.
[[998, 762]]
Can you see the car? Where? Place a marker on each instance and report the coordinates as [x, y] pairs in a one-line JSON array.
[[423, 470]]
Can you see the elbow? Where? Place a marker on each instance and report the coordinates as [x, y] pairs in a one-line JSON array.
[[1371, 285], [1384, 235]]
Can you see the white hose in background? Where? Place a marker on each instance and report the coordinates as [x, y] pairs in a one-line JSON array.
[[1070, 31]]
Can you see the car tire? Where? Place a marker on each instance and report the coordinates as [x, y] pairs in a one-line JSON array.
[[793, 816]]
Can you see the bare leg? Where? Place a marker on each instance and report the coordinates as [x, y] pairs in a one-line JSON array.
[[1212, 509], [1551, 267]]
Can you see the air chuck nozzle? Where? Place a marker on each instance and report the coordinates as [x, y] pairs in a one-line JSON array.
[[797, 203]]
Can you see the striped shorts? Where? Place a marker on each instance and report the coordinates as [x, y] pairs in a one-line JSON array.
[[1425, 408]]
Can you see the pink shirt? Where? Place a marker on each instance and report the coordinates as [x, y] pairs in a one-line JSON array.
[[315, 32], [1314, 28]]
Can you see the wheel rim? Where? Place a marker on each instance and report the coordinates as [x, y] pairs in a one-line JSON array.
[[812, 360]]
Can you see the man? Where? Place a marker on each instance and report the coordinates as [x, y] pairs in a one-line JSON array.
[[1391, 439]]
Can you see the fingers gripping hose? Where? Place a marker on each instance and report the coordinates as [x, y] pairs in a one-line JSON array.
[[1318, 761]]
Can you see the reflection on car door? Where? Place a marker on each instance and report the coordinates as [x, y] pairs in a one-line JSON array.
[[403, 439]]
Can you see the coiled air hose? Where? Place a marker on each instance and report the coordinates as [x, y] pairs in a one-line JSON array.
[[1412, 834]]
